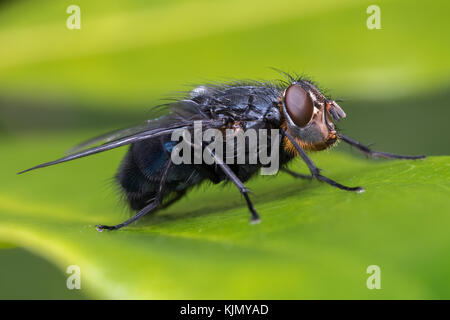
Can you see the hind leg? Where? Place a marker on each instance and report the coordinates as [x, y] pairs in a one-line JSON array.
[[177, 197], [151, 206]]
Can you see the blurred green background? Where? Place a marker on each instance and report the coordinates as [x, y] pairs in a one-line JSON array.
[[60, 86]]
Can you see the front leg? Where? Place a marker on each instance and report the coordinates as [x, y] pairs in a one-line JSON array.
[[375, 154], [315, 172]]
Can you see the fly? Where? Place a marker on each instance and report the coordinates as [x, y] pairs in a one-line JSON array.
[[295, 107]]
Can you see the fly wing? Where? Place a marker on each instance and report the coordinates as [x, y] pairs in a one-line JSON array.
[[113, 136], [180, 110], [183, 115]]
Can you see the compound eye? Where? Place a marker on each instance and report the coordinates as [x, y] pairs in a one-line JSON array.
[[299, 105]]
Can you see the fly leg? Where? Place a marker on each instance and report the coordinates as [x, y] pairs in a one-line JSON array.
[[239, 184], [148, 208], [153, 204], [375, 154], [242, 189], [315, 172], [297, 175], [170, 202]]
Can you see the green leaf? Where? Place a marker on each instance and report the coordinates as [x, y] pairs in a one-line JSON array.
[[4, 245], [314, 241]]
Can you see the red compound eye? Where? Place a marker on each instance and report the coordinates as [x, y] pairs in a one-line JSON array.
[[298, 105]]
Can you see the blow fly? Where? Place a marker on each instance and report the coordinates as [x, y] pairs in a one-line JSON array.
[[300, 113]]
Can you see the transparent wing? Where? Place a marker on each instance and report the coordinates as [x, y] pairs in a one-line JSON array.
[[183, 115], [112, 136], [184, 109]]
